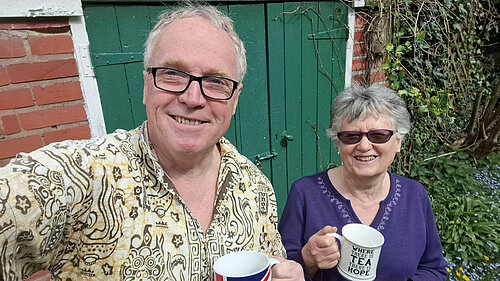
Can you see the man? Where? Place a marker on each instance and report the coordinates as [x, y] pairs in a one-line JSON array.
[[160, 202]]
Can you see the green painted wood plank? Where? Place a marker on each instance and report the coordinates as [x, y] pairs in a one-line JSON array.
[[97, 20], [116, 110], [293, 78], [114, 96], [338, 15], [325, 84], [309, 90], [254, 115], [136, 19], [276, 73]]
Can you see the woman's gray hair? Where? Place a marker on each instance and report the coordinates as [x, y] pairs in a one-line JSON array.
[[210, 13], [357, 103]]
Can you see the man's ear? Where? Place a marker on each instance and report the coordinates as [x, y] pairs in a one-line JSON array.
[[146, 86], [236, 97]]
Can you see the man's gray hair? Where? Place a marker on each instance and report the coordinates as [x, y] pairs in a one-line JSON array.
[[357, 103], [210, 13]]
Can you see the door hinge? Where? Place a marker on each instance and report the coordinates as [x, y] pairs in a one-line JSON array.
[[264, 156]]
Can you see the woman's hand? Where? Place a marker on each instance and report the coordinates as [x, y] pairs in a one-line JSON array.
[[287, 270], [321, 252]]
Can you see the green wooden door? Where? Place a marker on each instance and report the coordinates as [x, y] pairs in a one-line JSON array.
[[296, 63]]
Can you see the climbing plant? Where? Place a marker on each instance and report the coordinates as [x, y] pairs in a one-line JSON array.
[[440, 57]]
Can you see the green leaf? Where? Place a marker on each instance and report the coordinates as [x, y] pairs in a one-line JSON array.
[[420, 36]]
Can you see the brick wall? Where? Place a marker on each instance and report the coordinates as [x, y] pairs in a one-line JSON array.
[[360, 61], [40, 95]]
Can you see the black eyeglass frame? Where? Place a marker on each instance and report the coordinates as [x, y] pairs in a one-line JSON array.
[[342, 134], [192, 78]]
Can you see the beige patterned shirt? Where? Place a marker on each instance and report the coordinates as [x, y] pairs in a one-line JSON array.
[[103, 209]]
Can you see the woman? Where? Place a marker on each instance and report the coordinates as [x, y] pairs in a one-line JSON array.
[[368, 126]]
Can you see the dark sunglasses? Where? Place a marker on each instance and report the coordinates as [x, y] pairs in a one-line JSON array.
[[375, 136]]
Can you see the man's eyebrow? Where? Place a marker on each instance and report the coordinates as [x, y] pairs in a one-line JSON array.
[[182, 66]]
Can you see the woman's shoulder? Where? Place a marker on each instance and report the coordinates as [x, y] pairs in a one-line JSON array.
[[319, 178], [407, 184]]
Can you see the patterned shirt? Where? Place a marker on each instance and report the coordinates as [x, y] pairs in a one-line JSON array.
[[103, 209]]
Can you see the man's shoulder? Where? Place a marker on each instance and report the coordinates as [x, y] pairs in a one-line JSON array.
[[231, 153]]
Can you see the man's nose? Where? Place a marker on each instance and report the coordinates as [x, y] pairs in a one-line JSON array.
[[193, 95]]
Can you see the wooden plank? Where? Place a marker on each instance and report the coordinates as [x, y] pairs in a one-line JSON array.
[[327, 72], [339, 19], [112, 85], [309, 90], [136, 19], [249, 23], [293, 103], [276, 65], [116, 110]]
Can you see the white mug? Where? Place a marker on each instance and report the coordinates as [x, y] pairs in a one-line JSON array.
[[244, 266], [360, 247]]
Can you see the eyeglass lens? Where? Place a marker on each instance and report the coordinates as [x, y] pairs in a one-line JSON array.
[[374, 136], [177, 81]]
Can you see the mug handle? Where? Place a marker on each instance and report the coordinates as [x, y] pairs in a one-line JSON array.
[[336, 235]]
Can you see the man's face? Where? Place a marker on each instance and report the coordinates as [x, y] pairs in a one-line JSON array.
[[189, 124]]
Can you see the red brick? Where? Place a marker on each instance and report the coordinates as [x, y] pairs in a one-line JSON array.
[[358, 64], [57, 93], [359, 79], [51, 44], [15, 99], [359, 49], [360, 22], [12, 48], [4, 77], [5, 26], [26, 72], [52, 117], [34, 24], [359, 36], [75, 133], [378, 76], [9, 148], [10, 124]]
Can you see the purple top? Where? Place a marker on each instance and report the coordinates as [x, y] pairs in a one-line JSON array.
[[412, 249]]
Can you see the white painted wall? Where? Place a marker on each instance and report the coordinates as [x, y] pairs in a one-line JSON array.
[[40, 8]]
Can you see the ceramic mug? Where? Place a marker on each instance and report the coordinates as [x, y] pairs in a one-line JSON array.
[[244, 266], [360, 247]]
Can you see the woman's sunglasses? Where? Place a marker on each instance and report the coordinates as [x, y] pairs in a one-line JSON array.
[[375, 136]]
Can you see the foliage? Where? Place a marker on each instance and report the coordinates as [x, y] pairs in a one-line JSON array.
[[437, 63], [465, 198], [438, 59]]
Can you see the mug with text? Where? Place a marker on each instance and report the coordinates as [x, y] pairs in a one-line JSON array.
[[244, 266], [360, 247]]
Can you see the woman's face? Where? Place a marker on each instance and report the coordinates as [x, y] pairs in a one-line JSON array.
[[366, 159]]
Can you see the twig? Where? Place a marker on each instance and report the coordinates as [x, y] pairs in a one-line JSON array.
[[439, 156]]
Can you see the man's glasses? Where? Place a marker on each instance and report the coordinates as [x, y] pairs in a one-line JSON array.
[[177, 81], [375, 136]]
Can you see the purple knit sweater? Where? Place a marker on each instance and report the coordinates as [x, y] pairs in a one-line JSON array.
[[412, 249]]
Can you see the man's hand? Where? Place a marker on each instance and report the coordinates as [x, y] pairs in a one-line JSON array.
[[287, 270], [321, 252]]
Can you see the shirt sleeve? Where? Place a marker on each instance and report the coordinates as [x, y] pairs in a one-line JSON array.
[[432, 266], [35, 208]]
